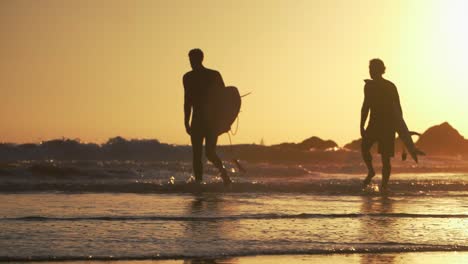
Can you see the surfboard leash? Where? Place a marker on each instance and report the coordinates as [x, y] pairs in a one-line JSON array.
[[231, 132], [238, 118], [237, 126], [231, 147], [234, 160]]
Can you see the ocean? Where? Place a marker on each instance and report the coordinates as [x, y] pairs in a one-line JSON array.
[[72, 215]]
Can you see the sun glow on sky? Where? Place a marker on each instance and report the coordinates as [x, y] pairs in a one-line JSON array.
[[98, 69]]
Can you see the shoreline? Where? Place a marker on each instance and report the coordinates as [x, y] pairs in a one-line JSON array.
[[386, 257]]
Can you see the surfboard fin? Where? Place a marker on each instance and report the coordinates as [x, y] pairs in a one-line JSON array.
[[415, 153], [239, 166]]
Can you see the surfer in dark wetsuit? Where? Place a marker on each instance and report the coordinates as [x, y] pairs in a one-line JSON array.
[[201, 86], [382, 100]]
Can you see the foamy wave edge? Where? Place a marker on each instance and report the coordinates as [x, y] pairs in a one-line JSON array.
[[325, 187], [331, 249], [231, 217]]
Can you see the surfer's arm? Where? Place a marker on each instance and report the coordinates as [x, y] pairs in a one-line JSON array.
[[219, 80], [397, 103], [364, 112], [187, 106]]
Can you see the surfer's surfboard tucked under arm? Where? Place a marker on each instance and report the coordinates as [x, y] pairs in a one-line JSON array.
[[228, 107]]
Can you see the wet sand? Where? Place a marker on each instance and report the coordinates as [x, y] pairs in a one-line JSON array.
[[371, 258]]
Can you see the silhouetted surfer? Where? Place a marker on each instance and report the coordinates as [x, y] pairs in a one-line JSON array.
[[382, 100], [201, 86]]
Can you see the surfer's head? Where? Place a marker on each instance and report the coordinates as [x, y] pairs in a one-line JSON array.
[[376, 68], [196, 58]]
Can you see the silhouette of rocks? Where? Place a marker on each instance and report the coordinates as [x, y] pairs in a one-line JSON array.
[[443, 139], [310, 144]]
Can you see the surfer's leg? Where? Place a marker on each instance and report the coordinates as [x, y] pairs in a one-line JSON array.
[[387, 150], [197, 149], [386, 171], [366, 146], [210, 149]]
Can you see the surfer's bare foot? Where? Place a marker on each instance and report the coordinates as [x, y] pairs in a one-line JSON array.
[[368, 179], [384, 190], [226, 180], [195, 183], [239, 166]]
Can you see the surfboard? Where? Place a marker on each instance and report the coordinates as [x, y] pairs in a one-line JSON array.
[[405, 136], [228, 108], [404, 152]]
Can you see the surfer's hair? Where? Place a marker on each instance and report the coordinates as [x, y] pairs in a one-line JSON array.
[[196, 54], [378, 65]]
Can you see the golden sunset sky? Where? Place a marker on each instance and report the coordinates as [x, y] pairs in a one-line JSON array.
[[97, 69]]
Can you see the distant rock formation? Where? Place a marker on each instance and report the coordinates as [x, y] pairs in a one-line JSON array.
[[440, 140], [310, 144], [316, 143], [443, 139], [354, 145], [116, 148]]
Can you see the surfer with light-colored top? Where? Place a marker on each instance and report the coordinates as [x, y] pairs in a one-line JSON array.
[[201, 86]]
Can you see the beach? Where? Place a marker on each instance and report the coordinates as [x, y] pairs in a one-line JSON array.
[[227, 226], [386, 258]]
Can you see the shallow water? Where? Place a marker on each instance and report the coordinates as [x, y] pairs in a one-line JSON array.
[[367, 258], [133, 211], [131, 177], [103, 226]]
